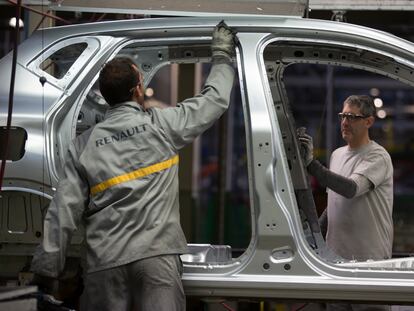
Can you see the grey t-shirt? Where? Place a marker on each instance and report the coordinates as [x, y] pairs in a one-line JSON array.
[[361, 228]]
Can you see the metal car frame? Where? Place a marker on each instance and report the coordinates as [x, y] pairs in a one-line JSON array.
[[287, 256]]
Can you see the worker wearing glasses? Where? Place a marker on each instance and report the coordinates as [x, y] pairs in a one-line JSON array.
[[359, 184]]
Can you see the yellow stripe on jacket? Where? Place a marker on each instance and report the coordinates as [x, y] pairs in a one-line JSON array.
[[139, 173]]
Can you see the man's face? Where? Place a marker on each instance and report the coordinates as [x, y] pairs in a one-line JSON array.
[[353, 130]]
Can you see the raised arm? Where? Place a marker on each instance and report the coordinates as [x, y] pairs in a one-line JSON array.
[[182, 124]]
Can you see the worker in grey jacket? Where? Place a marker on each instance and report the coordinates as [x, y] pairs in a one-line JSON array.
[[121, 182]]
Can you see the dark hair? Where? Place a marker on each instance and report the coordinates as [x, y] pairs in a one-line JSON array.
[[365, 104], [116, 80]]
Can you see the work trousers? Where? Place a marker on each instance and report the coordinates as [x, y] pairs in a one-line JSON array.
[[147, 284]]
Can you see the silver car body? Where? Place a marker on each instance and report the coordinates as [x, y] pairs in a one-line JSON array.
[[286, 257]]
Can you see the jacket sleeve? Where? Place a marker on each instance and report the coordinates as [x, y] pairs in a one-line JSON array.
[[62, 218], [182, 124]]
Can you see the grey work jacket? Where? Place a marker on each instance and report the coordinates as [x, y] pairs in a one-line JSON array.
[[121, 181]]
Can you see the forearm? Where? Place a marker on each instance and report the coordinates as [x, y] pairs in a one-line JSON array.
[[49, 257], [194, 115], [346, 187]]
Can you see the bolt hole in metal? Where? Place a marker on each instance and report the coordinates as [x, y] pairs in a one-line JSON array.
[[299, 53], [146, 67], [266, 266], [287, 267], [189, 54]]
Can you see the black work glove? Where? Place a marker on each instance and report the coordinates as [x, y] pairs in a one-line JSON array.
[[306, 146], [45, 284], [223, 41], [323, 222]]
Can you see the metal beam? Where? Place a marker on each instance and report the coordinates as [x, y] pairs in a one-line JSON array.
[[185, 7], [218, 7], [30, 2], [362, 5]]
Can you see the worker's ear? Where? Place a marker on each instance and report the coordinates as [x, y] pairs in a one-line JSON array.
[[370, 121], [140, 91]]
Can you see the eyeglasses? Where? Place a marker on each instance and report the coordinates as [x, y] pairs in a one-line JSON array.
[[350, 116]]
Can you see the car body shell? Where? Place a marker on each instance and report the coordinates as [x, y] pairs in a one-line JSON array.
[[279, 262]]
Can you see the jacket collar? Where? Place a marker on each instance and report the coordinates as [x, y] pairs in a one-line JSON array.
[[122, 107]]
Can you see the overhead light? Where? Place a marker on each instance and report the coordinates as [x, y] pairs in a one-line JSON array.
[[12, 22], [374, 92], [57, 2], [149, 92], [381, 114], [378, 102]]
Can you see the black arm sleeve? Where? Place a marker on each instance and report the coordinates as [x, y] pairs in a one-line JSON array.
[[342, 185], [323, 222]]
